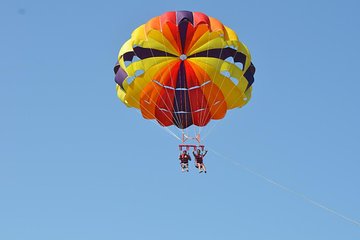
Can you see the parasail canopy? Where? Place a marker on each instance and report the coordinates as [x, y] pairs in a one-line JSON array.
[[184, 68]]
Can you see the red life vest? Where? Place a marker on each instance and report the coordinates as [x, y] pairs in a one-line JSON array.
[[199, 158], [184, 158]]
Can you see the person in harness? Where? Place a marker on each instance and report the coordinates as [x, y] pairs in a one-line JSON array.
[[199, 157], [184, 161]]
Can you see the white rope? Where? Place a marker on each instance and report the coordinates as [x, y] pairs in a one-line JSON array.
[[215, 123], [155, 122], [281, 186], [166, 129]]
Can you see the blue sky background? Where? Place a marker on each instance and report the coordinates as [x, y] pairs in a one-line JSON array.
[[77, 164]]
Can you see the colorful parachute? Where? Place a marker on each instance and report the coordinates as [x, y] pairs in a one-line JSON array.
[[184, 68]]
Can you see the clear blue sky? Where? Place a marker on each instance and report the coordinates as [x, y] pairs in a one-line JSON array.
[[77, 164]]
